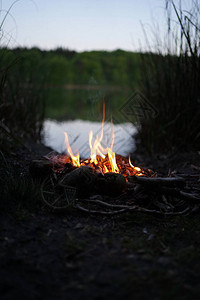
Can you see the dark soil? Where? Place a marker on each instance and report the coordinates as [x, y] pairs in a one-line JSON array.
[[77, 256]]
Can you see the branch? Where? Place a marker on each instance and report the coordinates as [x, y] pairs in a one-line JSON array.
[[158, 181]]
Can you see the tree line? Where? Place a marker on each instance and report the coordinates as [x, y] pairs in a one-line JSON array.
[[63, 66]]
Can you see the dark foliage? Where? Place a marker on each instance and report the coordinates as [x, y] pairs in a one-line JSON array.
[[171, 83], [21, 100]]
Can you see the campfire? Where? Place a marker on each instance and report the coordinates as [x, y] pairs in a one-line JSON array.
[[102, 159], [109, 180]]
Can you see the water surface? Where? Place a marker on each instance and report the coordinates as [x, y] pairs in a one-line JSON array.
[[78, 132]]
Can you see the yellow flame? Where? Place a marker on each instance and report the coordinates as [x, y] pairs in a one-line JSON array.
[[75, 159], [97, 148], [135, 168], [105, 169], [112, 160]]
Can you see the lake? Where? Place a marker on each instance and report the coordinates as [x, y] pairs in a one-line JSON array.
[[84, 107], [78, 133]]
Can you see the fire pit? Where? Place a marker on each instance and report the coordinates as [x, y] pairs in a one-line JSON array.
[[109, 180]]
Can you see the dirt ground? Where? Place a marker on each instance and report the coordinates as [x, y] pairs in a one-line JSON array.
[[44, 255]]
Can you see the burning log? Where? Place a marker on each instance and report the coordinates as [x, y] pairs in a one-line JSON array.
[[50, 164]]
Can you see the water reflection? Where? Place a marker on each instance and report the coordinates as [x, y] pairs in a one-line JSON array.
[[78, 132]]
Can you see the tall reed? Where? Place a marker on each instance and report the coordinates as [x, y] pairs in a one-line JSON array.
[[21, 97], [170, 81]]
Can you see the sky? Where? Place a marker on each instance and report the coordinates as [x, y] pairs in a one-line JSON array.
[[80, 25]]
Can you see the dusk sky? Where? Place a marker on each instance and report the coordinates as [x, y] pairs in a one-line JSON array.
[[80, 24]]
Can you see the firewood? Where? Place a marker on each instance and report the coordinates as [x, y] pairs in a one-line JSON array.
[[82, 178], [158, 181], [111, 184], [66, 186]]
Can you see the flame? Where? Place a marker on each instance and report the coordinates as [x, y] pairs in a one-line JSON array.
[[75, 159], [103, 159], [97, 148], [112, 159], [135, 168], [105, 169]]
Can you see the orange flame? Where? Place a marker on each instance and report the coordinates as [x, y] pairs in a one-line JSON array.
[[75, 159]]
